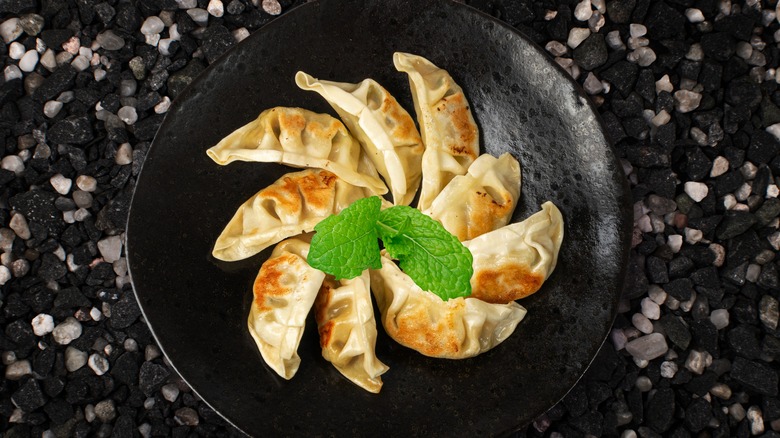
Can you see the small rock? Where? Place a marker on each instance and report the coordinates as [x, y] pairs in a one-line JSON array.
[[52, 108], [16, 50], [768, 311], [5, 275], [648, 347], [12, 72], [720, 318], [162, 107], [28, 61], [128, 115], [756, 420], [109, 40], [686, 101], [199, 16], [152, 25], [29, 396], [664, 84], [86, 183], [668, 369], [18, 369], [10, 29], [583, 11], [110, 248], [696, 361], [124, 154], [98, 364], [19, 224], [272, 7], [216, 8], [188, 416], [105, 411], [67, 331], [576, 36], [642, 323], [170, 392], [694, 15], [42, 324], [61, 184], [737, 412], [74, 359]]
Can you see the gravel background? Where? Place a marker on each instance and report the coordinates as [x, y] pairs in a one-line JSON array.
[[687, 88]]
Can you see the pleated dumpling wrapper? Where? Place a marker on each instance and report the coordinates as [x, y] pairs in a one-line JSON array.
[[293, 204], [480, 201], [512, 262], [384, 128], [448, 129], [455, 329], [300, 138], [284, 292], [347, 328]]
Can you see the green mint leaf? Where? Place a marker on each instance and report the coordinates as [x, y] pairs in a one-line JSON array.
[[428, 253], [346, 244]]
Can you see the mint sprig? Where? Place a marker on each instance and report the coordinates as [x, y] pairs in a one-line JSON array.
[[346, 244]]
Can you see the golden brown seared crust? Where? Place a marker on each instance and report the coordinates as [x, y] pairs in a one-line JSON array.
[[416, 329], [314, 188], [269, 281], [320, 308], [505, 283], [486, 214], [463, 123], [404, 128]]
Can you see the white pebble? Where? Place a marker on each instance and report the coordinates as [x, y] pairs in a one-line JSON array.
[[10, 29], [151, 352], [110, 248], [199, 16], [668, 369], [618, 338], [737, 411], [5, 275], [744, 50], [748, 170], [272, 7], [173, 32], [130, 344], [42, 324], [18, 223], [696, 190], [98, 364], [61, 184], [99, 74], [614, 41], [95, 314], [650, 309], [124, 154], [80, 63], [170, 392], [48, 60], [756, 420], [577, 35], [152, 25], [67, 331], [216, 8], [686, 101], [74, 359], [696, 361], [164, 46], [648, 347], [583, 10], [772, 191], [72, 45], [729, 202], [163, 105], [695, 53], [637, 30], [643, 383], [644, 224], [660, 119], [16, 50], [240, 34], [664, 84], [642, 323], [694, 15], [81, 214], [675, 243], [86, 183], [753, 271], [153, 39], [52, 108], [187, 4], [743, 192], [693, 236], [656, 294], [721, 390], [592, 84], [556, 48], [12, 72], [18, 369], [644, 56], [719, 166], [13, 163], [127, 114]]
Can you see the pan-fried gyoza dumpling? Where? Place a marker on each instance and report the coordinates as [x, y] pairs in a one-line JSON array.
[[448, 129], [284, 292], [300, 138], [347, 328], [453, 329], [512, 262], [481, 200], [294, 204], [384, 128]]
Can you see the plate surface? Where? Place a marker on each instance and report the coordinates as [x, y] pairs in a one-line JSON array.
[[197, 306]]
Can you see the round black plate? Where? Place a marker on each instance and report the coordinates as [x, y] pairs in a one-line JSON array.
[[197, 307]]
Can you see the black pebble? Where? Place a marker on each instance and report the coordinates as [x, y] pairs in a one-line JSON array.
[[622, 75], [763, 147], [592, 52], [705, 336], [719, 46], [29, 396], [72, 129], [151, 377], [51, 268], [676, 330], [38, 206], [755, 376], [743, 339], [58, 81], [216, 40], [660, 410], [125, 369], [124, 312], [735, 223], [698, 414]]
